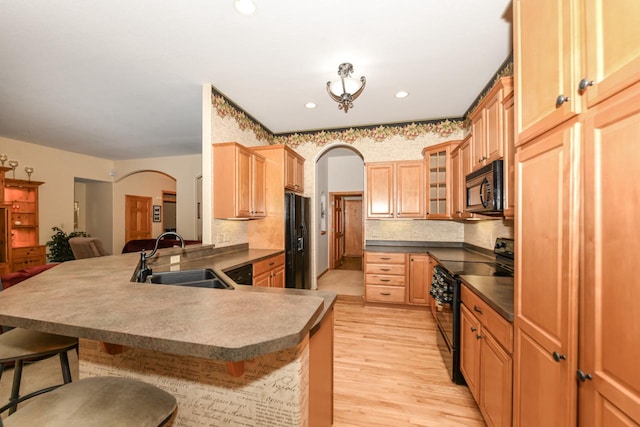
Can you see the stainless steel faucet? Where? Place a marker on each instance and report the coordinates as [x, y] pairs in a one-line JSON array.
[[144, 271]]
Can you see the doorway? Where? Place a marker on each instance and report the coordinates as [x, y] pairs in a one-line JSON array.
[[169, 200], [346, 231], [137, 218]]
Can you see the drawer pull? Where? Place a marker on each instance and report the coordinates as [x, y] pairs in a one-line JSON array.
[[385, 258], [473, 329], [271, 263], [477, 309], [385, 269], [385, 280], [386, 294]]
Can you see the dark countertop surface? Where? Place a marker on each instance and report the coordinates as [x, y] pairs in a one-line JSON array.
[[94, 298], [496, 291]]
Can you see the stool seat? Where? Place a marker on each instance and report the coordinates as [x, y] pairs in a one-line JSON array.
[[19, 345], [98, 401]]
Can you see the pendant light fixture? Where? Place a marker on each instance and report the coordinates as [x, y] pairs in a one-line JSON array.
[[347, 89]]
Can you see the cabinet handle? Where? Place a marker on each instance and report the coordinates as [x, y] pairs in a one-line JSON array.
[[558, 357], [386, 294], [584, 84], [385, 269], [473, 329], [561, 99], [477, 309], [385, 280], [583, 376], [385, 258], [271, 263], [478, 337]]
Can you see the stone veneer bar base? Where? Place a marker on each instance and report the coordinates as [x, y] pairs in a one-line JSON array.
[[272, 392]]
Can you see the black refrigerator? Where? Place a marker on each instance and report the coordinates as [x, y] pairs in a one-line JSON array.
[[297, 241]]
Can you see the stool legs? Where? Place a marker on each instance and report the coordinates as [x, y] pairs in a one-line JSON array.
[[15, 397]]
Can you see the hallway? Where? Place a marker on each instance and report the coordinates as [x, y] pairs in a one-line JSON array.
[[348, 280]]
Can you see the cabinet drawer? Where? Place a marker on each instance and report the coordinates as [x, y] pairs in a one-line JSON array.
[[267, 264], [385, 258], [497, 325], [383, 279], [391, 294], [385, 269], [30, 251]]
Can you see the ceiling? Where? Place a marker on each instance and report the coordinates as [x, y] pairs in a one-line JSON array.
[[122, 79]]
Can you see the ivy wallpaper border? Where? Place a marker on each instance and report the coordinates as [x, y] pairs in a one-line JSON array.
[[225, 108]]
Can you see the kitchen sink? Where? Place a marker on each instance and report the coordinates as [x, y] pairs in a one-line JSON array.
[[200, 278]]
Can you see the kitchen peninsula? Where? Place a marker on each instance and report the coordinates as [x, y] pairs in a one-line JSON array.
[[231, 357]]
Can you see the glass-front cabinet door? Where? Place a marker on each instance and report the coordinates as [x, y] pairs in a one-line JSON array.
[[439, 169]]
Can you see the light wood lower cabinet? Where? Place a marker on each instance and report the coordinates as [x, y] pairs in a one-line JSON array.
[[385, 277], [321, 374], [486, 341], [420, 275], [269, 272]]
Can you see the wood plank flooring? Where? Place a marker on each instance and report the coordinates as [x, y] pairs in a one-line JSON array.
[[388, 371]]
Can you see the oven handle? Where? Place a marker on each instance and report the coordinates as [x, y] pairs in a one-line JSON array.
[[483, 184]]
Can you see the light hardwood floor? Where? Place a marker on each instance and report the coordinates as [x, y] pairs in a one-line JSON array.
[[389, 372]]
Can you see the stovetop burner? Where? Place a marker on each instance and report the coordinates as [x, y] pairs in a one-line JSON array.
[[503, 265]]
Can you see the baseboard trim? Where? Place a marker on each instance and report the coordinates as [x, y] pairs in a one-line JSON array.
[[322, 274]]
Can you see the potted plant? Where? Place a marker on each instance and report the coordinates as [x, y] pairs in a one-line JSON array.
[[59, 249]]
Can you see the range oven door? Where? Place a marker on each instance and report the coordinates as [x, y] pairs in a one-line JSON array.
[[445, 290]]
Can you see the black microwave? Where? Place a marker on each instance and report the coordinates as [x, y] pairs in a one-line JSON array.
[[484, 189]]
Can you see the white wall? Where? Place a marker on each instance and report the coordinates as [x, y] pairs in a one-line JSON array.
[[346, 171], [99, 209], [59, 170]]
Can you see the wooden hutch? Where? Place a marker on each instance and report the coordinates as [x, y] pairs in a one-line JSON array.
[[19, 228]]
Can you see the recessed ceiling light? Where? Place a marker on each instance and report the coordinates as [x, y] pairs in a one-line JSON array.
[[245, 7], [402, 94], [310, 105]]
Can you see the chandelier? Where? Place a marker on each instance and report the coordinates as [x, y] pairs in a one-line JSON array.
[[347, 89]]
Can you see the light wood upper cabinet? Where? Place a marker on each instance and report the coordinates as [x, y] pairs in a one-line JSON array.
[[611, 47], [508, 165], [546, 64], [487, 125], [239, 182], [395, 189], [294, 171], [439, 179]]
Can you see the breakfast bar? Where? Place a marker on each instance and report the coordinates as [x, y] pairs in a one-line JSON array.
[[230, 357]]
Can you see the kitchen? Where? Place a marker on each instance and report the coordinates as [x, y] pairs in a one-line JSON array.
[[569, 252]]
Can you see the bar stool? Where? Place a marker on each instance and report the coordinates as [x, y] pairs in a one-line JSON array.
[[98, 402], [18, 345]]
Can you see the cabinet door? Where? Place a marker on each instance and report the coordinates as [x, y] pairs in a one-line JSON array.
[[493, 118], [508, 160], [495, 382], [456, 184], [465, 167], [419, 279], [263, 279], [477, 144], [410, 189], [299, 175], [547, 171], [290, 171], [470, 350], [439, 172], [551, 27], [380, 190], [277, 277], [243, 182], [258, 186], [610, 349], [611, 47]]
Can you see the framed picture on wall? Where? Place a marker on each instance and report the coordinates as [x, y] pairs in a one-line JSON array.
[[157, 213]]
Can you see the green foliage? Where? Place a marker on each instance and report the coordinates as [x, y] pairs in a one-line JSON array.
[[59, 249]]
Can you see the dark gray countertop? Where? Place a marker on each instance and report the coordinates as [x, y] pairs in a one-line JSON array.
[[497, 292], [94, 298]]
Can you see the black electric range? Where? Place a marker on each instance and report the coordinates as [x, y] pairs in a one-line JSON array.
[[445, 290]]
